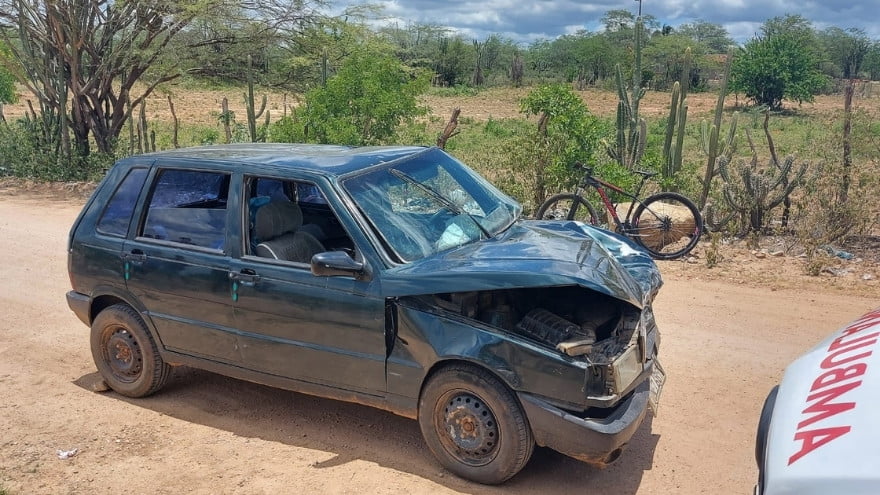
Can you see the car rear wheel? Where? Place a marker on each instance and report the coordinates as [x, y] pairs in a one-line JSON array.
[[474, 425], [125, 353]]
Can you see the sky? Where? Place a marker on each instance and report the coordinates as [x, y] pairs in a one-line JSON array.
[[531, 20]]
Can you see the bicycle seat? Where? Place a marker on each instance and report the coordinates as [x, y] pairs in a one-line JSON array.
[[647, 173]]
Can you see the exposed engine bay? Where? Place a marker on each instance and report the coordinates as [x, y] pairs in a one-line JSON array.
[[573, 320]]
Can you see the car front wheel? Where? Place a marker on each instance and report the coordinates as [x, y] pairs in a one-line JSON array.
[[125, 353], [474, 425]]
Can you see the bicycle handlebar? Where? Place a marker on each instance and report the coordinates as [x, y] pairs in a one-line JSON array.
[[588, 171]]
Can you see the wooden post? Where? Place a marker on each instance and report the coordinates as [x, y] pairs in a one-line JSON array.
[[226, 117], [143, 143], [174, 134], [449, 131], [843, 196]]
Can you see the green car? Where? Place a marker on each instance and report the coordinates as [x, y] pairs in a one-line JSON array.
[[389, 276]]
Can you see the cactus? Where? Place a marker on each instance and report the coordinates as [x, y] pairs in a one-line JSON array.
[[675, 123], [632, 130], [712, 147], [755, 191], [252, 113]]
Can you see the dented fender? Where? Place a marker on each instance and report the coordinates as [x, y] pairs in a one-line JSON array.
[[424, 339]]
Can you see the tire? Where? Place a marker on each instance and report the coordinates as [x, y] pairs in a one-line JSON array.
[[664, 235], [125, 353], [567, 206], [474, 425]]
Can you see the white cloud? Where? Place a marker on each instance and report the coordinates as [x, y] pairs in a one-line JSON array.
[[526, 21]]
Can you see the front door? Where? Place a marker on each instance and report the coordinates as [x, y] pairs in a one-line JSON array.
[[325, 330]]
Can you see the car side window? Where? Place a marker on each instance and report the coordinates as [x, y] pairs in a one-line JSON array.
[[291, 221], [117, 214], [188, 207]]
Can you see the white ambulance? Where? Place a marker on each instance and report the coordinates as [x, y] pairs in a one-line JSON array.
[[819, 431]]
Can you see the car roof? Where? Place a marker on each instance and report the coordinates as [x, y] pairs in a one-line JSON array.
[[321, 158]]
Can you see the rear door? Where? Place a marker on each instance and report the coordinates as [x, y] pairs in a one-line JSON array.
[[178, 264], [98, 238]]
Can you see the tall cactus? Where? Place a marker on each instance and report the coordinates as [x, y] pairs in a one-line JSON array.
[[755, 191], [712, 144], [712, 147], [632, 130], [252, 113], [677, 120]]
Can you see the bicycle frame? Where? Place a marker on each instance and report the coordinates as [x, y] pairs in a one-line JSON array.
[[600, 185]]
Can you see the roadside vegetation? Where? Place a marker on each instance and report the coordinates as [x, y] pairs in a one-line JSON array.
[[759, 158]]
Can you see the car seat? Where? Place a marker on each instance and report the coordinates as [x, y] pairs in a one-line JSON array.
[[277, 226]]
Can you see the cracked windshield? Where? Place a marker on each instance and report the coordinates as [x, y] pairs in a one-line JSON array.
[[430, 203]]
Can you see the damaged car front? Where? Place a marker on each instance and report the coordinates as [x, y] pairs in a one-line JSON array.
[[557, 314]]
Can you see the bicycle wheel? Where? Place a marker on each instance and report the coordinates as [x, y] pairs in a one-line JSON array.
[[667, 225], [567, 206]]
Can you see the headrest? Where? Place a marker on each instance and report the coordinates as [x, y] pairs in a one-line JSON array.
[[277, 218]]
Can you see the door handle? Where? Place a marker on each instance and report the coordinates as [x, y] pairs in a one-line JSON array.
[[245, 277], [135, 256]]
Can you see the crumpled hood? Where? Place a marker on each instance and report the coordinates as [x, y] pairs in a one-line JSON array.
[[534, 254], [824, 431]]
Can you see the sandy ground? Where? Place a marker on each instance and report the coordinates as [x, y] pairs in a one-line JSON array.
[[725, 343]]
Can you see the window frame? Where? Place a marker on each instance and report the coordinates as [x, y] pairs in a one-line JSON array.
[[134, 205], [154, 182]]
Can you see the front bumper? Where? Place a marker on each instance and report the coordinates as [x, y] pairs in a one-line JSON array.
[[79, 304], [590, 440]]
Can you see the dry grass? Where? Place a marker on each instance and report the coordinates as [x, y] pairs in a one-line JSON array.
[[202, 106]]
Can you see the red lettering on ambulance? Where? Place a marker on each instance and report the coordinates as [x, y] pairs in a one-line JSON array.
[[813, 439], [823, 407], [834, 384], [838, 375]]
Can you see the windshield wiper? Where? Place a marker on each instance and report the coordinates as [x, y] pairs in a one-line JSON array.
[[443, 200]]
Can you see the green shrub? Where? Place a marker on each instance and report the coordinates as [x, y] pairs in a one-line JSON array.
[[365, 102], [23, 154]]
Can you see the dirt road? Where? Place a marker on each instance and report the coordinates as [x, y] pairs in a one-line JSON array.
[[724, 345]]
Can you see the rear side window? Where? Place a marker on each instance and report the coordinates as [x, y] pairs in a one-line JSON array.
[[188, 207], [117, 215]]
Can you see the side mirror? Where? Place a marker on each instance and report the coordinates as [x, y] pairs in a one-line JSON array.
[[335, 264]]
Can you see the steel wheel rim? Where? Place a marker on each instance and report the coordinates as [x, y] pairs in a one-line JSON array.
[[122, 353], [467, 428]]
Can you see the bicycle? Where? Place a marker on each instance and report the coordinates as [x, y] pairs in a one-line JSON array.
[[667, 225]]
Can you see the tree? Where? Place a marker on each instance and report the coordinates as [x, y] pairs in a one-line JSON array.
[[596, 57], [622, 20], [774, 67], [871, 63], [713, 36], [454, 62], [7, 83], [665, 56], [618, 20], [89, 55], [289, 41], [364, 102], [846, 49], [791, 24], [567, 133]]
